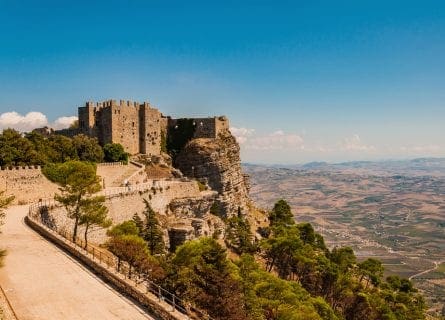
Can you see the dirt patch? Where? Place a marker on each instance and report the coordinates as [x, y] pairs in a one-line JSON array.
[[158, 171]]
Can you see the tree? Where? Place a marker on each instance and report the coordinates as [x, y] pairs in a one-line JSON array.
[[124, 229], [61, 149], [281, 214], [268, 297], [15, 150], [88, 149], [280, 248], [115, 152], [139, 224], [41, 147], [5, 201], [371, 270], [202, 273], [129, 248], [95, 214], [78, 183], [344, 257], [152, 232], [238, 235]]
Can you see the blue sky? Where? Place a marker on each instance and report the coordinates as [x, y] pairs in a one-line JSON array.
[[299, 80]]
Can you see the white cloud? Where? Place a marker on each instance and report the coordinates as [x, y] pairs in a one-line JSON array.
[[278, 140], [20, 122], [32, 120], [242, 134], [354, 143], [63, 122]]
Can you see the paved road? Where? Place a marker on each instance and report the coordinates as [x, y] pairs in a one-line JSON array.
[[43, 283]]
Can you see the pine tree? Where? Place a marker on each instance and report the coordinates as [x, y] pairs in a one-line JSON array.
[[152, 232], [281, 214], [239, 235], [139, 224], [95, 215]]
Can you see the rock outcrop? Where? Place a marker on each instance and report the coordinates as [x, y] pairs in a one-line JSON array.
[[216, 162]]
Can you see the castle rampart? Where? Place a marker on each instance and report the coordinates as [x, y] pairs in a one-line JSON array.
[[26, 183], [138, 127], [205, 127]]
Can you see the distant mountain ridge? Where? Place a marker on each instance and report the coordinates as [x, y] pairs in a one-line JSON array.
[[418, 166]]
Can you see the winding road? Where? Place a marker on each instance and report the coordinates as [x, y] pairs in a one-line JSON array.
[[436, 264], [41, 282]]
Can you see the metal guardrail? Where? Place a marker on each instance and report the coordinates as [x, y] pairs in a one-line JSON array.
[[110, 262]]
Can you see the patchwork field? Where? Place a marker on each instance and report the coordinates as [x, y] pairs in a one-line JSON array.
[[394, 211]]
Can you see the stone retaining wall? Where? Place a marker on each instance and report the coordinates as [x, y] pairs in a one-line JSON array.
[[177, 202], [27, 184]]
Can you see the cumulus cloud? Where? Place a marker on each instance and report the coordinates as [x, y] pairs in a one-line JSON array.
[[20, 122], [278, 140], [63, 122], [354, 143], [32, 120], [242, 134]]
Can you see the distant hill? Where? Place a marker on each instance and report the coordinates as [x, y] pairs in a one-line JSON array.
[[416, 167]]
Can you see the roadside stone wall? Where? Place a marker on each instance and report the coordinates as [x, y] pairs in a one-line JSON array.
[[179, 204], [124, 286], [27, 184]]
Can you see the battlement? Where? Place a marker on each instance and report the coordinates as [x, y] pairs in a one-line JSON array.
[[115, 103], [138, 127], [20, 168], [209, 127]]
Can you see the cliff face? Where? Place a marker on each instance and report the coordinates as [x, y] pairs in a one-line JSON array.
[[217, 162]]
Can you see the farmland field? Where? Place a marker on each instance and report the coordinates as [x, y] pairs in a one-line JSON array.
[[393, 211]]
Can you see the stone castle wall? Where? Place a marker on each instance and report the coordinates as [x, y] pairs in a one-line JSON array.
[[206, 127], [27, 184], [137, 127]]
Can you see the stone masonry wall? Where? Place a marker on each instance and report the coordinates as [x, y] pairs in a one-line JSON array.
[[137, 127], [206, 127], [125, 127], [176, 202], [26, 184]]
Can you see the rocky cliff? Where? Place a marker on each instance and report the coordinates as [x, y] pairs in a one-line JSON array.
[[217, 163]]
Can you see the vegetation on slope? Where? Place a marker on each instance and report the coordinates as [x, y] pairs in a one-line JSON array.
[[289, 274]]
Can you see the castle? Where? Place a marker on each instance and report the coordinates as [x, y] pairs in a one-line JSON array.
[[138, 127]]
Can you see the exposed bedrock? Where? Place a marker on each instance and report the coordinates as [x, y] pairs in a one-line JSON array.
[[217, 162]]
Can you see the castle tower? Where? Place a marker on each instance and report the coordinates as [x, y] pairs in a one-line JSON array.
[[137, 127]]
